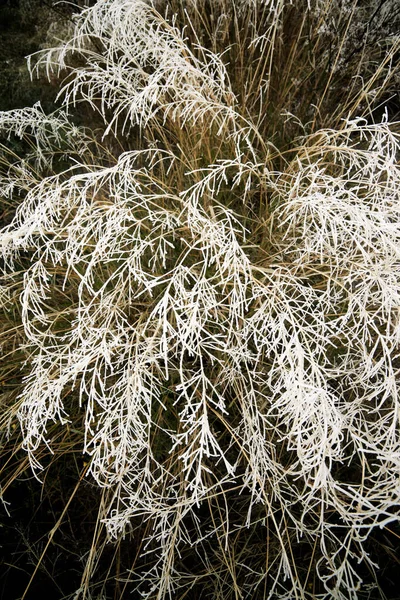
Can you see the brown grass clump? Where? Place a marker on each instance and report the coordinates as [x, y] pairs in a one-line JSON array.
[[201, 297]]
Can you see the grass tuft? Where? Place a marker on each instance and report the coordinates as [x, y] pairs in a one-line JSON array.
[[201, 283]]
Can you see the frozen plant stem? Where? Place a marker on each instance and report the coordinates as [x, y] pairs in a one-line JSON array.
[[225, 314]]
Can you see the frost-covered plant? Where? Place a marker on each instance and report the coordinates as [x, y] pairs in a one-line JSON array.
[[225, 313]]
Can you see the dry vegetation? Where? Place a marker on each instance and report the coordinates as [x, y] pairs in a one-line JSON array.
[[200, 297]]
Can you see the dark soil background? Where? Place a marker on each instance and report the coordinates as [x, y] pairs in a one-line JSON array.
[[27, 26]]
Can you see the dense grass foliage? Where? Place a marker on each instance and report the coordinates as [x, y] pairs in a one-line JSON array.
[[201, 292]]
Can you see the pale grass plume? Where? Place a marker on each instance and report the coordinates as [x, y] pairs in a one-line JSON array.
[[221, 318]]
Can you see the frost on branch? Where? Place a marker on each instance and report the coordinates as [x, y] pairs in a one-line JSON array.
[[204, 365]]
